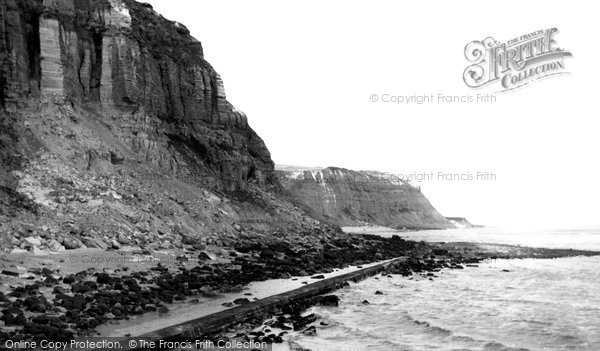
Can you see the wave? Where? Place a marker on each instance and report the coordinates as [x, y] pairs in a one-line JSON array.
[[428, 331], [542, 304]]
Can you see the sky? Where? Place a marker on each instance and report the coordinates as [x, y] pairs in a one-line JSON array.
[[305, 72]]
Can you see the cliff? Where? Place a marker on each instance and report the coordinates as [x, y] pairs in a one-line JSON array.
[[138, 76], [114, 131], [461, 222], [350, 198]]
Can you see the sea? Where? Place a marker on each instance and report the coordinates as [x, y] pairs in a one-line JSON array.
[[501, 305]]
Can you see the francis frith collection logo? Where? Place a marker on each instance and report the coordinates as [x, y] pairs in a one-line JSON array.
[[516, 62]]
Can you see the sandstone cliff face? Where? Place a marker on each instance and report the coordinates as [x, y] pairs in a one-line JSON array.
[[114, 131], [350, 198], [139, 77]]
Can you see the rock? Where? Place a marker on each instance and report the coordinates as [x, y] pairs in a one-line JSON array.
[[143, 227], [163, 309], [310, 331], [237, 227], [50, 281], [366, 302], [70, 243], [80, 288], [328, 300], [33, 241], [81, 198], [20, 319], [303, 321], [11, 273], [69, 279], [95, 243], [115, 244], [319, 276], [41, 319], [123, 239], [205, 256], [207, 292], [55, 246], [378, 292], [103, 278], [241, 301], [26, 228], [193, 240]]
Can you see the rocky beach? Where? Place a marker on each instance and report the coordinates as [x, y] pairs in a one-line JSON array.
[[130, 186], [53, 297]]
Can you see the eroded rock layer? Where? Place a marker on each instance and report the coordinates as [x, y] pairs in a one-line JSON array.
[[140, 77]]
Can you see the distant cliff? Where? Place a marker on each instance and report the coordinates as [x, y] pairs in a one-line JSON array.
[[461, 222], [349, 198]]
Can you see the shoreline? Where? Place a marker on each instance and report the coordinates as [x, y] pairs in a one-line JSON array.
[[194, 309], [266, 321], [76, 304], [297, 299]]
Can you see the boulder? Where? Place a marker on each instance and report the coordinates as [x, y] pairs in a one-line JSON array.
[[115, 244], [310, 331], [33, 241], [80, 288], [328, 300], [55, 246], [123, 239], [71, 243], [205, 256], [303, 321], [95, 243]]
